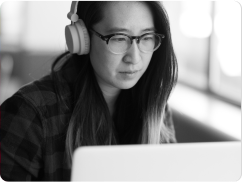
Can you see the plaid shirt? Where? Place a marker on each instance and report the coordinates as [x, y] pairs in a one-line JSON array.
[[33, 131]]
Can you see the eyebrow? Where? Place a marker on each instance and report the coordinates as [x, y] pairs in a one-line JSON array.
[[117, 29]]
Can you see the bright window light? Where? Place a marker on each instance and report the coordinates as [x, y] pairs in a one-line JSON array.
[[227, 27], [196, 24], [195, 20], [12, 21], [45, 30], [34, 26]]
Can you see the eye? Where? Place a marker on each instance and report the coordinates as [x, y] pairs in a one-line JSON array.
[[119, 38], [148, 38]]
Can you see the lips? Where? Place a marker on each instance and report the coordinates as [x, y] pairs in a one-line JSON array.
[[129, 72]]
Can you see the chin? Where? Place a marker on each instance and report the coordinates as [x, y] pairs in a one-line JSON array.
[[127, 84]]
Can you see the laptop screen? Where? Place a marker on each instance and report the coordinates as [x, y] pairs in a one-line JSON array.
[[187, 161]]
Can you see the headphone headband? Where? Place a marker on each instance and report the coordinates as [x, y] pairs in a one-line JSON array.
[[72, 14]]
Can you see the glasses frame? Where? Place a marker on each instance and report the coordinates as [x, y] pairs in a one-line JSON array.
[[106, 38]]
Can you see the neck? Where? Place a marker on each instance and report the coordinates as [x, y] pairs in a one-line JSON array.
[[110, 95]]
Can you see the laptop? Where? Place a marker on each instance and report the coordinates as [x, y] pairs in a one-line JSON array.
[[213, 161]]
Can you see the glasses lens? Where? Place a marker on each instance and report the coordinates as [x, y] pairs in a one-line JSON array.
[[149, 42], [119, 44]]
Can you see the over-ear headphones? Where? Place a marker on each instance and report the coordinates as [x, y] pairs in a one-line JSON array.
[[77, 38]]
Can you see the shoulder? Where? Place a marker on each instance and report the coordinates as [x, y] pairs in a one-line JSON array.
[[41, 96], [35, 109], [29, 103], [40, 92], [25, 129], [44, 92]]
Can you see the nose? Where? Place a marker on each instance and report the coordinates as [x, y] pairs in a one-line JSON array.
[[133, 54]]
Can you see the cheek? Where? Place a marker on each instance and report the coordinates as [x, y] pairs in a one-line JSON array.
[[97, 55], [101, 57], [146, 61], [103, 63]]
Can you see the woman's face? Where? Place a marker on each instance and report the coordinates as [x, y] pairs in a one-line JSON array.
[[121, 71]]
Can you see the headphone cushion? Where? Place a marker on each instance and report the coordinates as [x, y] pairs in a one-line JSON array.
[[72, 39], [83, 37]]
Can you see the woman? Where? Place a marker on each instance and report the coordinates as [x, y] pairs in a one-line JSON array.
[[115, 94]]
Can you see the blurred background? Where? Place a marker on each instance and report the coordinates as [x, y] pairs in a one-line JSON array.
[[206, 103]]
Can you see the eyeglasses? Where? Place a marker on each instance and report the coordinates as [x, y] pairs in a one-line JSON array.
[[120, 43]]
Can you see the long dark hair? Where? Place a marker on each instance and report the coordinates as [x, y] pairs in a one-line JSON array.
[[139, 110]]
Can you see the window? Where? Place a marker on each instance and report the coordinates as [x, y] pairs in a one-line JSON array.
[[34, 26], [207, 42], [225, 65]]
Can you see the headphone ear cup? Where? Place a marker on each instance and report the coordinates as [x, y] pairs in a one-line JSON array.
[[77, 38], [72, 39], [83, 37]]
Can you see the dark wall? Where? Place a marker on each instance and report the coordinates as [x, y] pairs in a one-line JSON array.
[[30, 66]]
